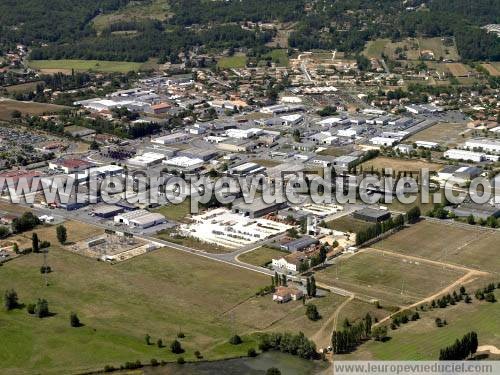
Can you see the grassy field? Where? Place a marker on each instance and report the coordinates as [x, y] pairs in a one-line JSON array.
[[22, 87], [76, 232], [193, 243], [412, 48], [375, 48], [391, 279], [278, 56], [422, 340], [261, 256], [440, 50], [154, 10], [65, 66], [176, 212], [236, 61], [442, 133], [26, 108], [336, 151], [160, 293], [266, 162], [347, 223], [452, 244], [399, 165]]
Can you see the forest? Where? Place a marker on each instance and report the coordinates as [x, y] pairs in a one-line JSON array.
[[65, 30]]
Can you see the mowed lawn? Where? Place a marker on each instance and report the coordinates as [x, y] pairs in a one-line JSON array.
[[85, 65], [262, 256], [160, 293], [422, 340], [388, 278], [7, 107], [348, 223], [472, 247], [442, 133], [176, 212]]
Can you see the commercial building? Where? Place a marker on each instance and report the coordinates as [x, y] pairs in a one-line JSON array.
[[146, 160], [141, 219], [184, 163], [257, 208], [245, 169], [372, 215], [299, 244], [383, 141], [456, 154], [171, 138], [70, 165], [107, 211], [485, 145]]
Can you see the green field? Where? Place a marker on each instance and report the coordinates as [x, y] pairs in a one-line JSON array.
[[348, 223], [278, 56], [472, 247], [52, 66], [375, 48], [236, 61], [262, 256], [391, 279], [160, 293], [422, 340], [22, 87]]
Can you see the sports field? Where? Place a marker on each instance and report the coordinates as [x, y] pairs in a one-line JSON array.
[[392, 279], [422, 340], [160, 293], [460, 245], [65, 66]]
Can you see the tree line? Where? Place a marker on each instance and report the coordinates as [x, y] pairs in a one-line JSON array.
[[461, 349], [351, 335]]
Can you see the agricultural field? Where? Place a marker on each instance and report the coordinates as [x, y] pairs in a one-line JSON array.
[[152, 10], [392, 279], [66, 66], [458, 69], [399, 165], [443, 133], [473, 248], [7, 107], [261, 256], [422, 340], [160, 293], [236, 61], [494, 71], [193, 243]]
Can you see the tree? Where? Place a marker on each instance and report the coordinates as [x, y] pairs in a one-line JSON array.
[[308, 287], [313, 286], [42, 308], [147, 338], [379, 333], [312, 312], [176, 348], [61, 234], [74, 321], [159, 343], [368, 324], [283, 280], [251, 352], [35, 243], [235, 340], [273, 371], [10, 301]]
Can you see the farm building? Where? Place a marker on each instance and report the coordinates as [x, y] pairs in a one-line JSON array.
[[285, 294], [299, 244]]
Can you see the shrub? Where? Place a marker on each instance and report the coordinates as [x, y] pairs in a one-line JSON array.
[[252, 353], [176, 347], [235, 340], [181, 335], [181, 361], [31, 308], [74, 321], [154, 362]]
